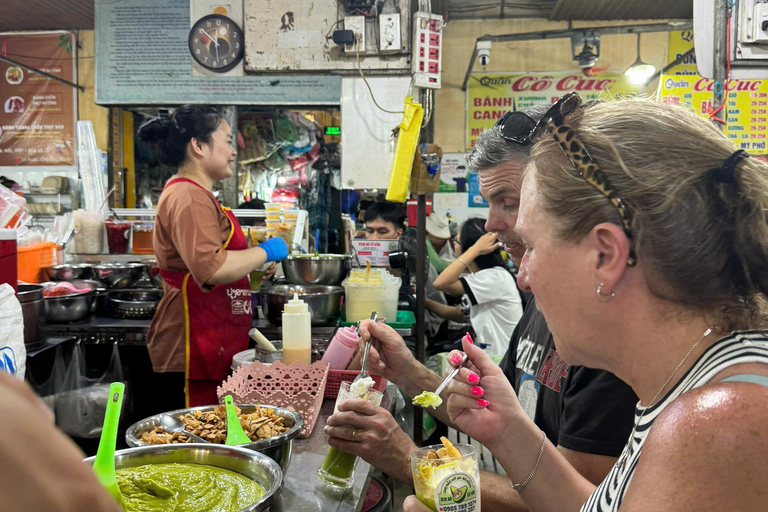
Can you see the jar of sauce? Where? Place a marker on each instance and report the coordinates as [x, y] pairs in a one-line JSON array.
[[142, 237]]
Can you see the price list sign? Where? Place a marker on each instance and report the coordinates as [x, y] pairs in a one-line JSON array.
[[746, 103]]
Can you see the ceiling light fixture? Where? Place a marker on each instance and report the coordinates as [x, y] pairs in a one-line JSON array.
[[639, 72], [585, 48]]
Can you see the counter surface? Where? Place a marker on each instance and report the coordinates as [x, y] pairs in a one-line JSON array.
[[303, 491]]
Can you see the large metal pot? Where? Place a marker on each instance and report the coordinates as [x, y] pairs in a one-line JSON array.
[[69, 308], [256, 466], [119, 275], [33, 310], [326, 269], [278, 448], [324, 301], [68, 272]]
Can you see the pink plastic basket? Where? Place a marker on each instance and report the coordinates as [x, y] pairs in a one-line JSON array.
[[296, 386], [336, 377]]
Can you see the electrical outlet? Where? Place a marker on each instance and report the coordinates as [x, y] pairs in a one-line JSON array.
[[389, 33], [357, 25]]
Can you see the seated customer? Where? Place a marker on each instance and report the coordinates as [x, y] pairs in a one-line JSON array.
[[386, 221], [439, 246], [662, 251], [477, 276]]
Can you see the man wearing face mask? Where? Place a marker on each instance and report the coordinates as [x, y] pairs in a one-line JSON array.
[[586, 413]]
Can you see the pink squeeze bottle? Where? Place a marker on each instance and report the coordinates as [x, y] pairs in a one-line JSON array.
[[341, 349]]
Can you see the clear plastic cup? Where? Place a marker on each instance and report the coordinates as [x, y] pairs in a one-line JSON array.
[[257, 275], [89, 231], [447, 484], [118, 233], [338, 467], [272, 207]]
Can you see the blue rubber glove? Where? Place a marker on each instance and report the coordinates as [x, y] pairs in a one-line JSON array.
[[276, 249]]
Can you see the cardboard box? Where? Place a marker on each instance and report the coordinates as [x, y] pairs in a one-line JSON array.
[[421, 181]]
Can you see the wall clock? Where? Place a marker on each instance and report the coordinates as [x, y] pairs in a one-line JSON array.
[[216, 43]]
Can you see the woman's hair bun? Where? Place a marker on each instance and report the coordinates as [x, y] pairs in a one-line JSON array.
[[155, 130]]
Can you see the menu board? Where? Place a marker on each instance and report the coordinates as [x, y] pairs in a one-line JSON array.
[[37, 114], [489, 96], [746, 100]]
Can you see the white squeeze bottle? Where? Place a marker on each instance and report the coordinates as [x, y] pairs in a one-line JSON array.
[[297, 332]]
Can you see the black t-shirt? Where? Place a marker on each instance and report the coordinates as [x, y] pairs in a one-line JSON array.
[[582, 409]]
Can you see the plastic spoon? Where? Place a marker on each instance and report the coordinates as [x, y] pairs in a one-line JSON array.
[[235, 434], [171, 424], [104, 465]]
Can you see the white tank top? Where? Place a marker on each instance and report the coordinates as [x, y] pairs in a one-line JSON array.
[[738, 348]]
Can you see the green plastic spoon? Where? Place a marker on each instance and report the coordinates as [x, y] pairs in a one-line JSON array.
[[104, 465], [235, 434]]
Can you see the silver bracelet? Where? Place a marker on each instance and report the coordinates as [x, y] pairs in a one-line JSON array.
[[520, 487]]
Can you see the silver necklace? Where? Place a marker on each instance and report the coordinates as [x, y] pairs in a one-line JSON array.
[[653, 400]]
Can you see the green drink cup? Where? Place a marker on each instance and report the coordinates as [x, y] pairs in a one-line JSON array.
[[447, 484], [338, 467]]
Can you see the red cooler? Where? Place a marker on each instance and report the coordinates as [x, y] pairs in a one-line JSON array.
[[8, 258]]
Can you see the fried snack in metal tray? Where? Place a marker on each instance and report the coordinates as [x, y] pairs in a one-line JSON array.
[[212, 426]]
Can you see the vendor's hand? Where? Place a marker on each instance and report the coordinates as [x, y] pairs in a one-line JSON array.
[[482, 402], [487, 243], [377, 437], [412, 504], [389, 356], [270, 271], [275, 248]]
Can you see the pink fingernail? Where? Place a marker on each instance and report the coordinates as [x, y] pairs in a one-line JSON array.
[[456, 358], [469, 339], [483, 403], [473, 378], [477, 391]]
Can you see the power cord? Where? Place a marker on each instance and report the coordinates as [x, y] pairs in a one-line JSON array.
[[360, 69]]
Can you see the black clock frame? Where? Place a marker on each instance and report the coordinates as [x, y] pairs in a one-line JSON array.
[[240, 54]]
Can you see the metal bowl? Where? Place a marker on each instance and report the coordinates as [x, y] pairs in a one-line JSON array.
[[69, 308], [326, 269], [69, 272], [154, 272], [278, 448], [119, 275], [324, 301], [255, 466], [141, 303]]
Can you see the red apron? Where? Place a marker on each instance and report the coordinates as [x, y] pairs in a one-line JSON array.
[[216, 322]]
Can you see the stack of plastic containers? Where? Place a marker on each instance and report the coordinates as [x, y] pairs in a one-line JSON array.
[[367, 291]]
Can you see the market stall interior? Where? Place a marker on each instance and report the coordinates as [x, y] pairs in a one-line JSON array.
[[354, 131]]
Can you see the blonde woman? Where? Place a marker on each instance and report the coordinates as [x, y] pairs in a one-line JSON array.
[[646, 246]]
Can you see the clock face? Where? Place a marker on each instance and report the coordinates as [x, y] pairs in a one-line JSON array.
[[216, 43]]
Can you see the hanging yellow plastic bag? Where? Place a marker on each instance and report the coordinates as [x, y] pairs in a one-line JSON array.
[[410, 129]]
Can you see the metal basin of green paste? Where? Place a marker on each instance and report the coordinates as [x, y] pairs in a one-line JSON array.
[[186, 488]]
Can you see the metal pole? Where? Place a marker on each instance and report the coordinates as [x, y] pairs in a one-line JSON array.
[[39, 72], [229, 113], [720, 55], [421, 295]]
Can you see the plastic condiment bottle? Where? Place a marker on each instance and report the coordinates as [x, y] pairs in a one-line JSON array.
[[341, 349], [297, 332]]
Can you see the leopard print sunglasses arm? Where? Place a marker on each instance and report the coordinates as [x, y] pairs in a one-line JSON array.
[[565, 136]]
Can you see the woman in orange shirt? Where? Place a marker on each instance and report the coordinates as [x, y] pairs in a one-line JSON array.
[[205, 314]]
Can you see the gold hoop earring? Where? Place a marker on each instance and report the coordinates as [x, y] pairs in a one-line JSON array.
[[604, 298]]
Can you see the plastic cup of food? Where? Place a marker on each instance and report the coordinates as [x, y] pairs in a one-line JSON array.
[[291, 213], [257, 276], [272, 207], [446, 477], [118, 232], [338, 467]]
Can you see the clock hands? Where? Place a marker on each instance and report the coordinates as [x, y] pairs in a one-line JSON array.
[[215, 41], [217, 45]]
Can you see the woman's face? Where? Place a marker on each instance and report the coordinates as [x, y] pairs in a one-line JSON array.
[[558, 273], [219, 154]]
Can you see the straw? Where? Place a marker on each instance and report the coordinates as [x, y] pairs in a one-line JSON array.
[[106, 199], [367, 268], [317, 239]]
